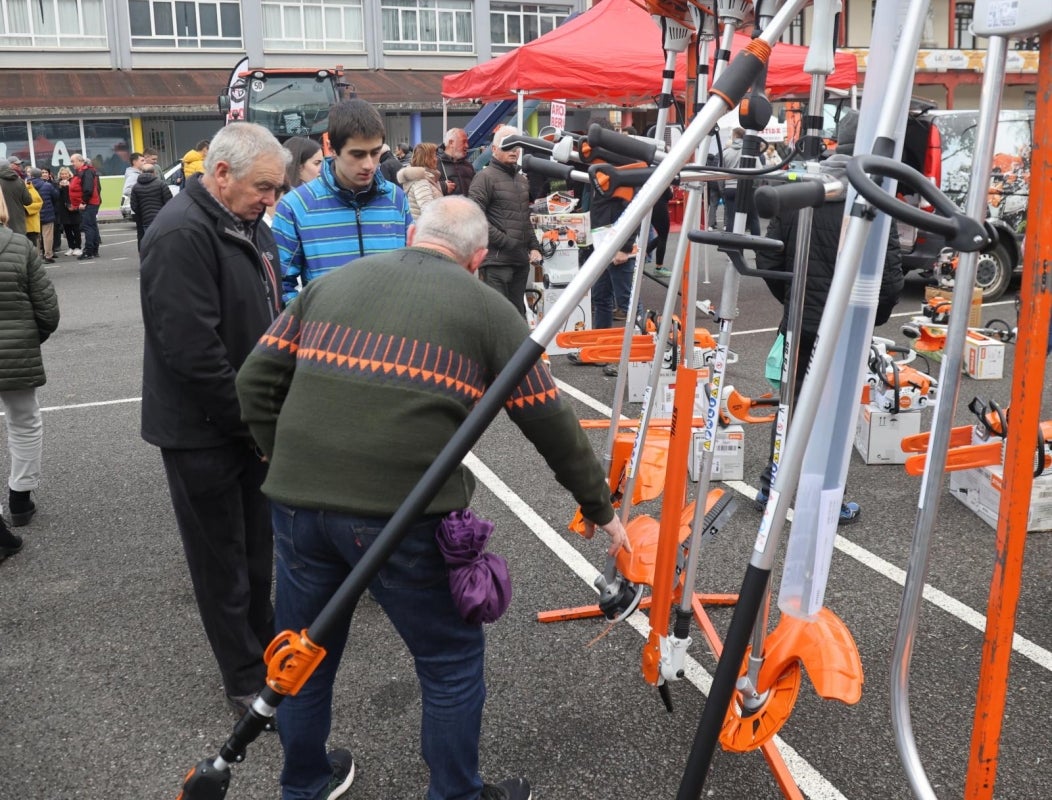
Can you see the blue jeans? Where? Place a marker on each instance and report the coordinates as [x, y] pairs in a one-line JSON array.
[[315, 551], [613, 289], [89, 224]]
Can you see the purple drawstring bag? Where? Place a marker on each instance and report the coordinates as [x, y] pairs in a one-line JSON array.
[[478, 581]]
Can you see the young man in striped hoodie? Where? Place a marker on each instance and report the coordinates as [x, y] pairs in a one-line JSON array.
[[348, 211]]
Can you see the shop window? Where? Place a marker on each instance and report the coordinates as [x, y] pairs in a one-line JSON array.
[[184, 24], [14, 140], [794, 34], [54, 142], [337, 25], [514, 24], [428, 26], [52, 23], [106, 145]]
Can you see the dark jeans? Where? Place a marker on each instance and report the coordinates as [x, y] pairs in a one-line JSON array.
[[612, 289], [224, 521], [89, 224], [510, 282], [662, 224], [316, 551], [752, 221], [715, 192]]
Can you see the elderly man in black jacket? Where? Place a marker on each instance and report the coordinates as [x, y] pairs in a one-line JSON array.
[[210, 287], [504, 195], [147, 197], [825, 239]]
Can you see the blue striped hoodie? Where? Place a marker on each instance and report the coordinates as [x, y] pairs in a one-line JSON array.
[[320, 226]]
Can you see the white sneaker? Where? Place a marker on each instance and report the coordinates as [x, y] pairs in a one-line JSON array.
[[69, 252], [77, 251]]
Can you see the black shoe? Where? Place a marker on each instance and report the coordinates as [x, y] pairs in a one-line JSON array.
[[9, 542], [241, 703], [760, 501], [85, 257], [49, 261], [342, 774], [619, 315], [512, 789], [22, 507], [610, 370]]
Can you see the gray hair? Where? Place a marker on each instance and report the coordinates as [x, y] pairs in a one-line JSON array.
[[502, 133], [451, 134], [456, 222], [239, 144], [148, 167]]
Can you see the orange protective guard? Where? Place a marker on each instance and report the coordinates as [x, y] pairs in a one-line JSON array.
[[291, 659], [739, 408], [824, 647]]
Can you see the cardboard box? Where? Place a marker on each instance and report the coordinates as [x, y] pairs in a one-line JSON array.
[[879, 434], [580, 318], [581, 224], [728, 454], [980, 490], [984, 358], [639, 372], [975, 313]]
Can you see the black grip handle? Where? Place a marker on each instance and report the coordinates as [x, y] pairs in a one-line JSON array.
[[772, 200], [960, 231], [527, 143], [547, 167], [621, 144], [736, 241]]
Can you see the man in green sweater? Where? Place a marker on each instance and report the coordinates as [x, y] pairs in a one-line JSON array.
[[351, 394]]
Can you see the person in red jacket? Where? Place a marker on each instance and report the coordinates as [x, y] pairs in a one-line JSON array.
[[89, 206], [70, 198]]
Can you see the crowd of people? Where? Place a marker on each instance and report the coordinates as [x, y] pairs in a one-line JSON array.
[[296, 400]]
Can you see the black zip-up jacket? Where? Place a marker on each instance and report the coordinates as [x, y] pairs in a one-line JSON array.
[[503, 193], [825, 240], [148, 196], [208, 293]]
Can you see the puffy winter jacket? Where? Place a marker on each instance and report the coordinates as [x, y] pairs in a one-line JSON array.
[[49, 194], [147, 198], [16, 196], [28, 312], [504, 194], [33, 209], [90, 189], [420, 186]]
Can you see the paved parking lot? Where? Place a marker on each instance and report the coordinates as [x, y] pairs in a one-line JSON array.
[[111, 691]]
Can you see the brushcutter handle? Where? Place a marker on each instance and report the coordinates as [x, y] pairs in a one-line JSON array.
[[621, 144], [552, 169], [622, 182], [528, 143], [770, 201], [960, 231]]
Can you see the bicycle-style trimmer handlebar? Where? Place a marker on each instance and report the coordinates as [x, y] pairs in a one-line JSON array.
[[960, 231]]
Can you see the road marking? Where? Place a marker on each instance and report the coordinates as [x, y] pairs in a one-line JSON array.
[[810, 780], [1020, 644], [969, 616]]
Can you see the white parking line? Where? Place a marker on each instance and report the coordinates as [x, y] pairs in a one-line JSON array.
[[809, 779], [969, 616]]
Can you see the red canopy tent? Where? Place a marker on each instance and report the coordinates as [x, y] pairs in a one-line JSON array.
[[612, 54]]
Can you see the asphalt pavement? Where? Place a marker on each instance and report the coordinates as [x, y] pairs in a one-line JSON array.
[[110, 690]]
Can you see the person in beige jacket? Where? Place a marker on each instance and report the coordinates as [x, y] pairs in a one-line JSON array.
[[419, 180]]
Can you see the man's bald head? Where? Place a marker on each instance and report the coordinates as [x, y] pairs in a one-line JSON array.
[[455, 226]]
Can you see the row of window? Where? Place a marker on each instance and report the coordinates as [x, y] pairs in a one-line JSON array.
[[416, 26]]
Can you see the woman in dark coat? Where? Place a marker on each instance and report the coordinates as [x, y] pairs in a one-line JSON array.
[[28, 315]]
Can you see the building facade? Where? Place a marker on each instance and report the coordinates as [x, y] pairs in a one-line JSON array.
[[107, 77]]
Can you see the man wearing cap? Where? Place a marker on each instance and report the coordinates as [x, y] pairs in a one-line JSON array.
[[16, 195]]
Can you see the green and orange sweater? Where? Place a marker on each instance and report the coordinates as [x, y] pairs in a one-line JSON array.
[[362, 380]]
